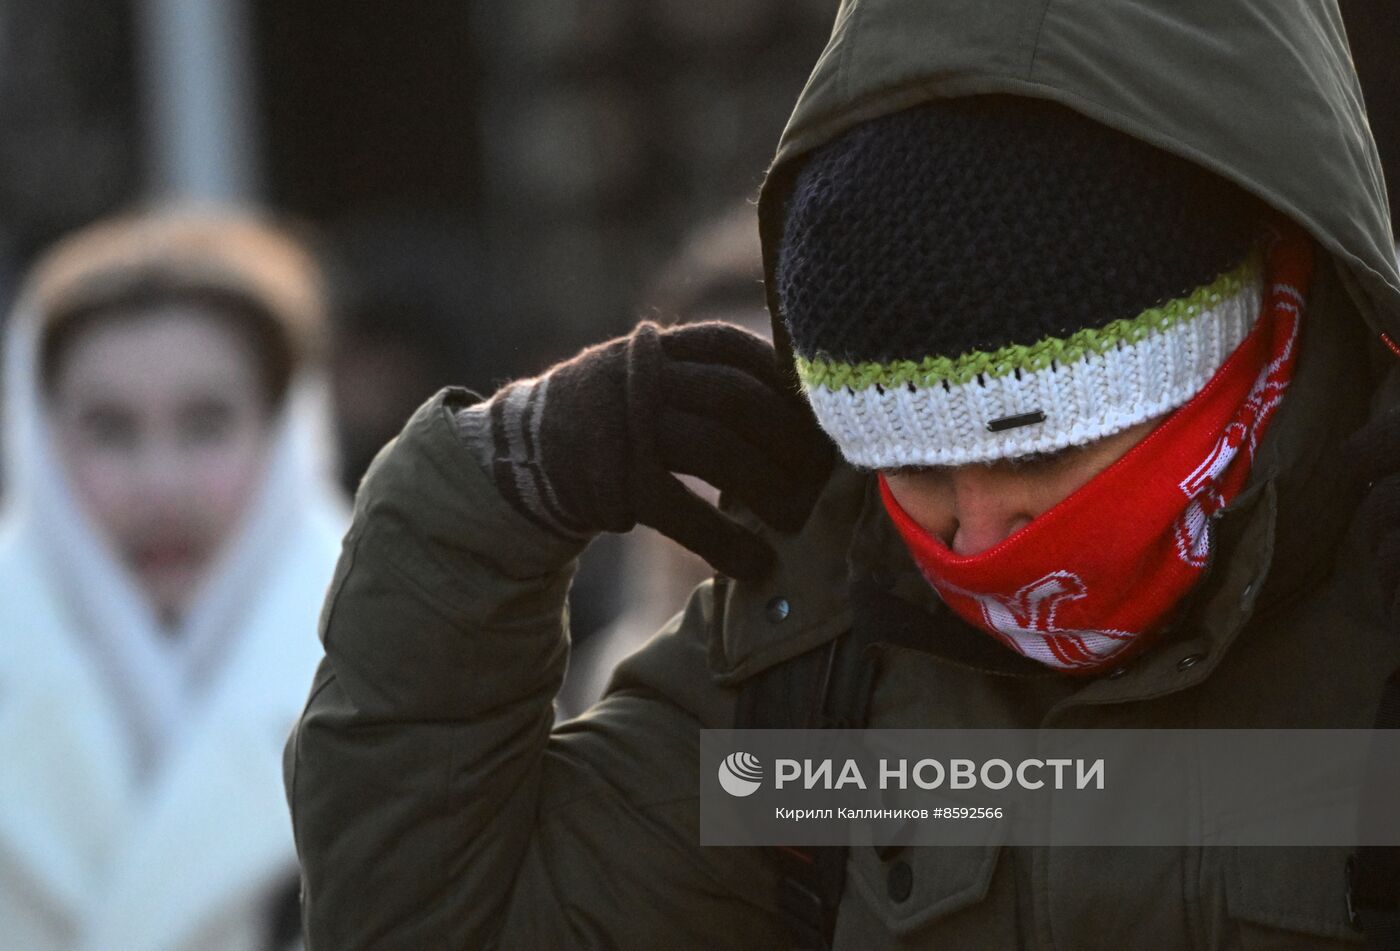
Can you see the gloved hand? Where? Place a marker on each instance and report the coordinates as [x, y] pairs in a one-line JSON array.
[[591, 445]]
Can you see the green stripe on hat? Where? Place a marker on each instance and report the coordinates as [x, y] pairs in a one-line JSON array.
[[941, 370]]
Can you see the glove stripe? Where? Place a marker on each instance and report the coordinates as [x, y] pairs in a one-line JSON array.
[[515, 420]]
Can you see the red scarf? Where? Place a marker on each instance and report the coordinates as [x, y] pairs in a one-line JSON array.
[[1088, 582]]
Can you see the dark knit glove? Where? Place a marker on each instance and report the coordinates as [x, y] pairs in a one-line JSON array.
[[1374, 455], [591, 445]]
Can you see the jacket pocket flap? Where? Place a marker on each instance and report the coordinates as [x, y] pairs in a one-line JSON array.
[[1292, 889], [933, 882]]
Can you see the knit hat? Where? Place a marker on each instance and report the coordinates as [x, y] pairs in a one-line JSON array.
[[980, 279], [229, 257]]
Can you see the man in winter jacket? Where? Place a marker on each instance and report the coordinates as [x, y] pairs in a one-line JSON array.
[[1029, 262]]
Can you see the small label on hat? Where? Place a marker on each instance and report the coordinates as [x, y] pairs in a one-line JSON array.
[[1016, 422]]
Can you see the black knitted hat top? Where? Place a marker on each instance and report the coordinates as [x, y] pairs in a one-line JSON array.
[[980, 227]]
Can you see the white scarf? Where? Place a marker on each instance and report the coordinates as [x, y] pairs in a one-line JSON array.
[[156, 674]]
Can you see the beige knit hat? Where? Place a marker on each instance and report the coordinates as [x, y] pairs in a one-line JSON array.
[[182, 252]]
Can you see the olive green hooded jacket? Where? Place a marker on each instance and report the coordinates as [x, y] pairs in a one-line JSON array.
[[436, 805]]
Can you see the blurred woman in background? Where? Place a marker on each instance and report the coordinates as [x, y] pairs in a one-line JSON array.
[[170, 528]]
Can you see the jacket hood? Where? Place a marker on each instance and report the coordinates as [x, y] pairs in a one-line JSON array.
[[1261, 92]]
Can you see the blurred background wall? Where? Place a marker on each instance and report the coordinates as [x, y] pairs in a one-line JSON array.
[[497, 179]]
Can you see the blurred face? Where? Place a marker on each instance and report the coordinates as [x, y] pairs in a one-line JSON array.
[[973, 508], [162, 426]]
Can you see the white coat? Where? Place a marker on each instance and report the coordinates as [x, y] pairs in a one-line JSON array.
[[141, 803]]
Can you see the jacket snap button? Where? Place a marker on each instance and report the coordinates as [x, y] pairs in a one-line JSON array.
[[778, 609], [1189, 661], [901, 881]]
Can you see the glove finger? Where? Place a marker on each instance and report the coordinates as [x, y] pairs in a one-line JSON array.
[[712, 342], [701, 447], [753, 410], [681, 515]]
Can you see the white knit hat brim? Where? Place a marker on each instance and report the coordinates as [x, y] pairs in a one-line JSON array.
[[1102, 393]]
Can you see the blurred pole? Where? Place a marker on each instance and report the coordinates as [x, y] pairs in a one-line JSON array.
[[196, 61]]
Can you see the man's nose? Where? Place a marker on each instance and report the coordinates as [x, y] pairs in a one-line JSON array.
[[987, 509]]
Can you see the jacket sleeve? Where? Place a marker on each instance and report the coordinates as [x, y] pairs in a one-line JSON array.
[[431, 804]]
